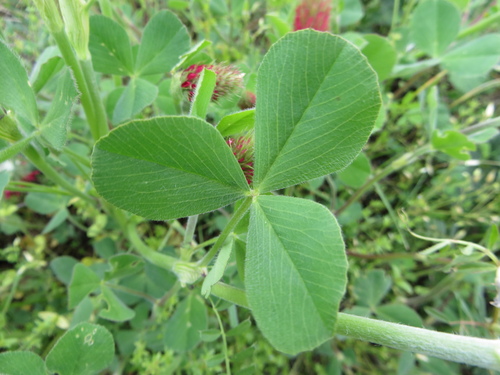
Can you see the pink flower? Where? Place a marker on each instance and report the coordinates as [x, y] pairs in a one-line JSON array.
[[228, 81], [242, 148], [30, 177], [314, 14]]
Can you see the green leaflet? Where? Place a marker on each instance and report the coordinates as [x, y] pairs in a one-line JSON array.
[[317, 101], [167, 167], [295, 271]]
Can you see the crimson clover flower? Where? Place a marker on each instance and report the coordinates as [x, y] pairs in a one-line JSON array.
[[314, 14], [30, 177], [242, 148], [229, 80]]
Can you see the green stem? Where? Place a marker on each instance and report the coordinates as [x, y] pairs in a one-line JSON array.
[[158, 259], [223, 335], [13, 289], [71, 60], [480, 26], [32, 154], [237, 216], [190, 228], [491, 123], [100, 125], [463, 349]]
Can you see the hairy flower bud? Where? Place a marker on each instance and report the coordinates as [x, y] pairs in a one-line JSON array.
[[314, 14], [242, 148], [229, 80], [247, 101], [50, 14]]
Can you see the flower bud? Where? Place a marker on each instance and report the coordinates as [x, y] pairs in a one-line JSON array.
[[229, 80], [242, 148], [314, 14], [247, 101], [9, 130]]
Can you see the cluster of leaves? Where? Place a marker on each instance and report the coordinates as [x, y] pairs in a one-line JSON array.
[[430, 64]]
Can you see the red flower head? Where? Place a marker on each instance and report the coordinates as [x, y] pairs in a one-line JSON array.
[[314, 14], [242, 148], [229, 80]]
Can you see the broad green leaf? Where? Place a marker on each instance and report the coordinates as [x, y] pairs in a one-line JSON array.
[[399, 313], [138, 94], [217, 270], [164, 40], [16, 93], [434, 25], [238, 122], [295, 272], [116, 311], [182, 331], [167, 167], [83, 282], [203, 93], [63, 268], [381, 55], [471, 62], [317, 101], [55, 124], [56, 220], [371, 288], [124, 265], [110, 47], [453, 143], [357, 173], [85, 349], [21, 363]]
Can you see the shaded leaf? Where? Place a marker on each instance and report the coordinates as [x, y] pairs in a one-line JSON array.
[[83, 350], [164, 40], [83, 282], [138, 94], [453, 143], [371, 288], [21, 363], [238, 122], [182, 331], [381, 54], [54, 126], [110, 47], [434, 25], [471, 62], [116, 311]]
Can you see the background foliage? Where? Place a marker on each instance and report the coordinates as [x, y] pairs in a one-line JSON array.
[[412, 207]]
